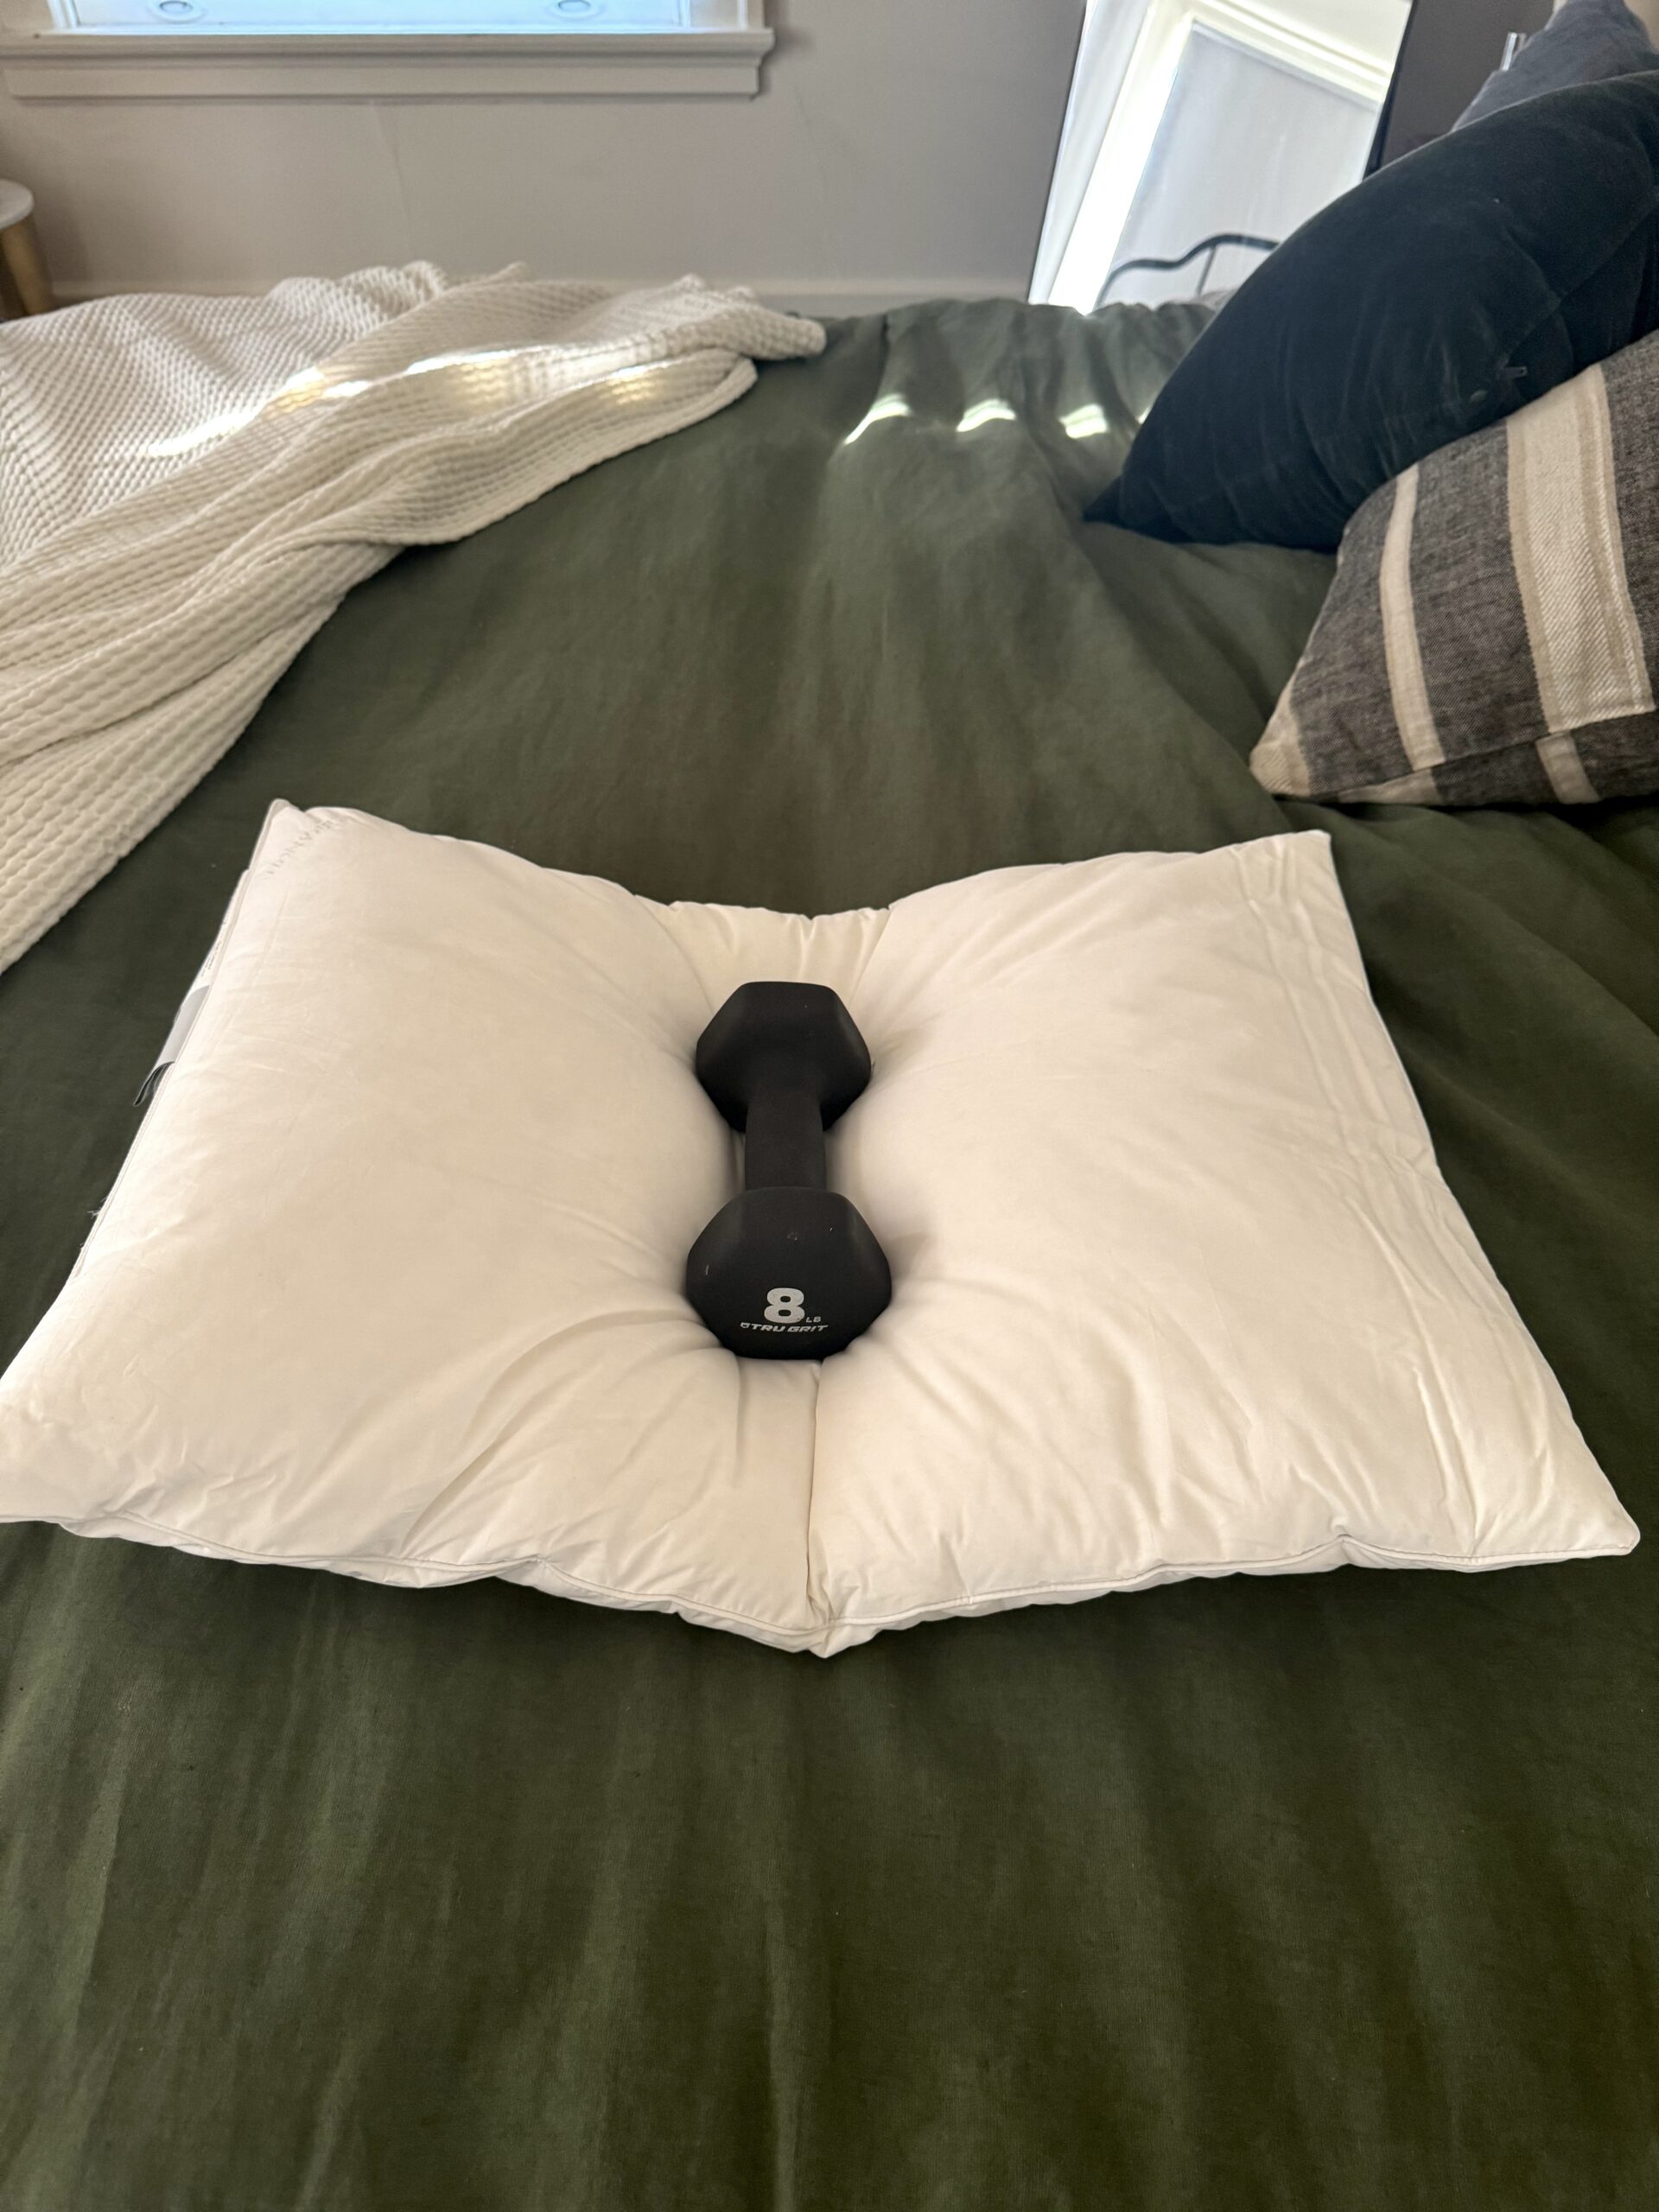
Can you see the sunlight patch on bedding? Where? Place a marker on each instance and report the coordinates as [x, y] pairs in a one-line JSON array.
[[1085, 422], [636, 383], [200, 434], [883, 411], [988, 410], [478, 358]]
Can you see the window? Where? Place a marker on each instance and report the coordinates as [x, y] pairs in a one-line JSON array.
[[357, 48], [1202, 132], [393, 15]]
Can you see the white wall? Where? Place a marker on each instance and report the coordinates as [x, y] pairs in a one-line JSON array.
[[898, 147]]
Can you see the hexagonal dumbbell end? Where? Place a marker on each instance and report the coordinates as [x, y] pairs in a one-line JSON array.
[[790, 1270]]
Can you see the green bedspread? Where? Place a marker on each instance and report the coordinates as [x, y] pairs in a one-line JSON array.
[[1329, 1892]]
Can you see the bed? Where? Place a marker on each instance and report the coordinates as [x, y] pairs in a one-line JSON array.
[[1329, 1892]]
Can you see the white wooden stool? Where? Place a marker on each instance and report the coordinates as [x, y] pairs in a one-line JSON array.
[[20, 249]]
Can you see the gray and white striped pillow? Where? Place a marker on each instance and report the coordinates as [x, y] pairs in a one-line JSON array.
[[1492, 633]]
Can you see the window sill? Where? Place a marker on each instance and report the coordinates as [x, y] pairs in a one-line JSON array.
[[87, 65]]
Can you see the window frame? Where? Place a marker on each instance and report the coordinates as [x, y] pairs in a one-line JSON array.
[[716, 52], [1285, 31]]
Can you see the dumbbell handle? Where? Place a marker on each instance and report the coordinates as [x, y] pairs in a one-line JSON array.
[[783, 1140]]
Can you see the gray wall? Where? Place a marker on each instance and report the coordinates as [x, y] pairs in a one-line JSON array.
[[899, 147]]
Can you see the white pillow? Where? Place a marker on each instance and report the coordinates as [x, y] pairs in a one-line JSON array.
[[392, 1279]]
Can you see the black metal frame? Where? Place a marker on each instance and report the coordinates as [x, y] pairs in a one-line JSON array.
[[1210, 246]]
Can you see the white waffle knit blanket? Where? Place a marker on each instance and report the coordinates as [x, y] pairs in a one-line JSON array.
[[200, 490]]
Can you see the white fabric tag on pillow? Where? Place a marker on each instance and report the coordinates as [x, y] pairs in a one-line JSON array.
[[391, 1280]]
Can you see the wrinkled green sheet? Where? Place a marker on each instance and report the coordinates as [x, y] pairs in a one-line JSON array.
[[1332, 1891]]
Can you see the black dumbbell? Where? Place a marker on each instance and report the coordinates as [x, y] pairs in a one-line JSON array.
[[790, 1270]]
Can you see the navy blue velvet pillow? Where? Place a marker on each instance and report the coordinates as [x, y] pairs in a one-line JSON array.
[[1438, 296], [1584, 42]]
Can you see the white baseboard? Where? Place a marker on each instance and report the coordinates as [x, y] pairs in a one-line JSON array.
[[800, 296]]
